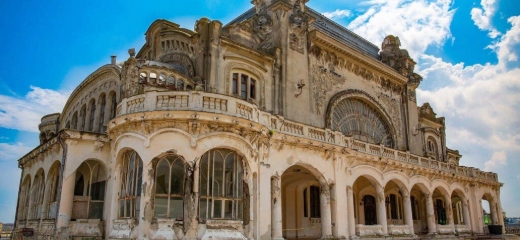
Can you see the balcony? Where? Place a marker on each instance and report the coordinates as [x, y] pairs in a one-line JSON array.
[[230, 106]]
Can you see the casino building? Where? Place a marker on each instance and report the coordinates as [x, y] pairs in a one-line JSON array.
[[281, 124]]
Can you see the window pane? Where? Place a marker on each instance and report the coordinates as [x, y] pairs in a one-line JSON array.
[[235, 83], [177, 177], [252, 89], [176, 207], [240, 208], [228, 209], [122, 208], [97, 191], [137, 207], [203, 208], [228, 176], [243, 86], [95, 210], [161, 206], [217, 212], [162, 178], [218, 171]]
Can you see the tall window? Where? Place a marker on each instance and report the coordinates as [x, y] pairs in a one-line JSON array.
[[169, 187], [23, 200], [102, 106], [131, 179], [89, 191], [315, 201], [432, 148], [92, 115], [52, 184], [415, 208], [37, 195], [113, 105], [82, 116], [221, 185], [246, 88], [75, 121], [369, 204], [440, 212]]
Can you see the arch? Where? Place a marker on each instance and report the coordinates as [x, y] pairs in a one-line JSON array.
[[51, 196], [442, 185], [350, 122], [373, 174], [92, 114], [400, 178], [102, 101], [23, 198], [130, 175]]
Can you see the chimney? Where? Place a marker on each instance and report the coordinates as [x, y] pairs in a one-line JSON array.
[[113, 60]]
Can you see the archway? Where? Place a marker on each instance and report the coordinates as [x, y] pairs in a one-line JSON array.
[[418, 199], [89, 191], [302, 201]]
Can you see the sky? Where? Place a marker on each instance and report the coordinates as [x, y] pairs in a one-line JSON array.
[[467, 52]]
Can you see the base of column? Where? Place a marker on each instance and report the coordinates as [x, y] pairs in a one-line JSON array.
[[278, 238]]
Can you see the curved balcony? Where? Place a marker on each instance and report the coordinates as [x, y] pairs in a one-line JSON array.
[[231, 106]]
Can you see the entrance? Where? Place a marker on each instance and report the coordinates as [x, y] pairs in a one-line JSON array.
[[370, 210]]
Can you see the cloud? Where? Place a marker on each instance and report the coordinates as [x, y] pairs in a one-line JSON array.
[[338, 14], [498, 158], [25, 113], [505, 48], [482, 17], [13, 151], [418, 24]]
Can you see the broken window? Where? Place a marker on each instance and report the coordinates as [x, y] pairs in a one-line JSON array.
[[221, 185], [89, 191], [131, 179], [169, 187]]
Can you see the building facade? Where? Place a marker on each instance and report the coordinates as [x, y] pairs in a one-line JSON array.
[[281, 124]]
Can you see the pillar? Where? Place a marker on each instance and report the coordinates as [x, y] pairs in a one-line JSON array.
[[326, 226], [381, 209], [276, 208], [465, 213], [430, 212], [493, 211], [66, 201], [408, 217], [449, 211], [350, 213]]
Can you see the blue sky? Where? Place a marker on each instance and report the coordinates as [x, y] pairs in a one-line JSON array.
[[467, 52]]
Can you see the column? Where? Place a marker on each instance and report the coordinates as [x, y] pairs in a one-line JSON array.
[[432, 227], [493, 212], [449, 211], [351, 219], [465, 213], [381, 209], [146, 213], [326, 226], [276, 208], [408, 217], [66, 201]]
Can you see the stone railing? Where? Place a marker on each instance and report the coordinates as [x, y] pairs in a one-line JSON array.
[[399, 230], [228, 105], [369, 230], [445, 229], [462, 228]]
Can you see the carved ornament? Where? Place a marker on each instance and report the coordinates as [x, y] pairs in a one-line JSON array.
[[263, 28]]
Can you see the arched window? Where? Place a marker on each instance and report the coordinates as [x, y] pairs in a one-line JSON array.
[[369, 205], [221, 185], [354, 117], [153, 78], [131, 179], [311, 203], [440, 212], [82, 116], [180, 85], [394, 206], [243, 85], [113, 105], [162, 79], [142, 77], [415, 208], [52, 186], [171, 82], [102, 105], [169, 187], [92, 115], [89, 191], [432, 149], [37, 195], [75, 121], [23, 200]]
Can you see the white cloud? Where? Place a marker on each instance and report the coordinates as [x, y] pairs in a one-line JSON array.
[[418, 24], [24, 113], [13, 151], [508, 41], [482, 17], [498, 158], [339, 13]]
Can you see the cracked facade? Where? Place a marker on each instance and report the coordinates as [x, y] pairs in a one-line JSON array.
[[280, 124]]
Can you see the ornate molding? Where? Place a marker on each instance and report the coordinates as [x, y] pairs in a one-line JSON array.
[[298, 26]]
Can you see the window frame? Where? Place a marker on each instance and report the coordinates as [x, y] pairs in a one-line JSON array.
[[244, 85], [131, 176], [171, 160]]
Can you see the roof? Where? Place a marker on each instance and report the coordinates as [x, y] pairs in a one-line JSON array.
[[329, 27]]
